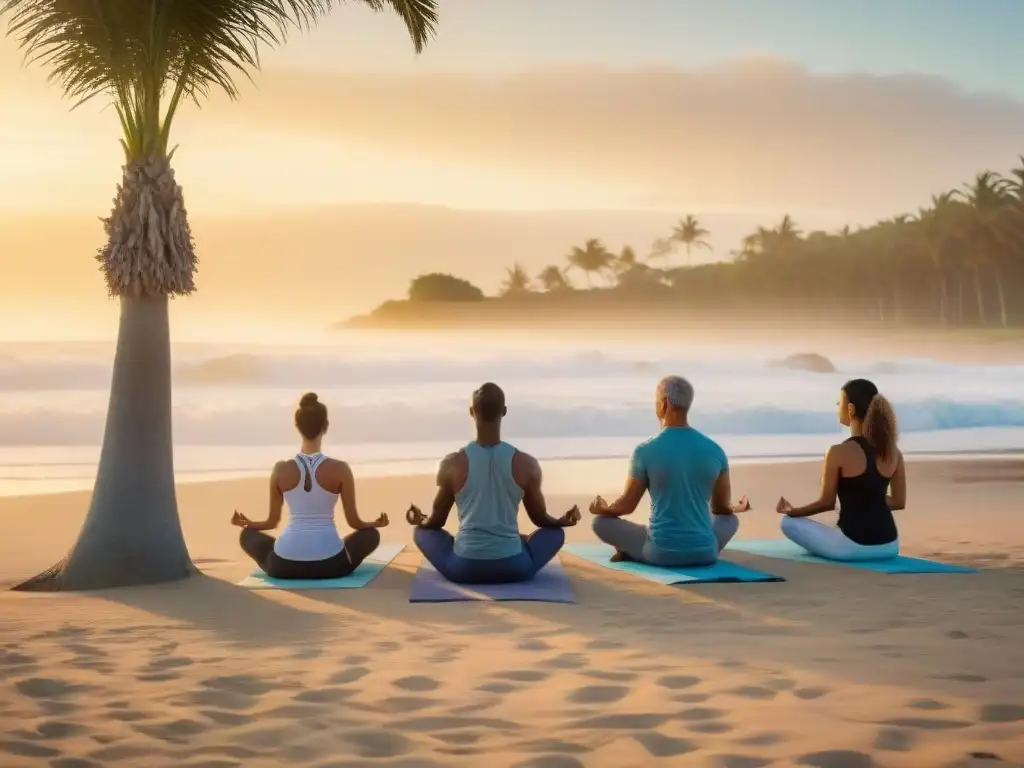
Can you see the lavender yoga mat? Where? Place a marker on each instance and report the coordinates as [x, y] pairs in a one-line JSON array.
[[551, 585]]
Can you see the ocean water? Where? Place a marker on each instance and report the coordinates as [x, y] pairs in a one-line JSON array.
[[397, 405]]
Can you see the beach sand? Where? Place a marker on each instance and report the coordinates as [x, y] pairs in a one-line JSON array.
[[834, 667]]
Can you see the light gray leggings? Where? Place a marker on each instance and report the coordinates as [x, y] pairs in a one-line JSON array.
[[633, 540]]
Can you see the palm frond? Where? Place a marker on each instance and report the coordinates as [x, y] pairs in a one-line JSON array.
[[136, 53]]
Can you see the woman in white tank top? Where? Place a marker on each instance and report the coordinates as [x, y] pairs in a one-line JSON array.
[[310, 483]]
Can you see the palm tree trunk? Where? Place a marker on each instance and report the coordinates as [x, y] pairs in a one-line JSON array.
[[960, 300], [943, 299], [132, 534], [979, 294], [1002, 296]]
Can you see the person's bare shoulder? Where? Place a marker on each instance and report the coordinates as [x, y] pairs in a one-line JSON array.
[[525, 468], [285, 474], [453, 462]]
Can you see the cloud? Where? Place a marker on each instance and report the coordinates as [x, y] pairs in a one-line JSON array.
[[760, 132]]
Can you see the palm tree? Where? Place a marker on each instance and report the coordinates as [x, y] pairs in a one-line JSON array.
[[690, 234], [625, 261], [988, 196], [592, 258], [660, 249], [146, 58], [552, 279], [516, 282]]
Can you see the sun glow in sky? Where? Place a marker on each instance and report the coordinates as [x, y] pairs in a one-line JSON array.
[[839, 111]]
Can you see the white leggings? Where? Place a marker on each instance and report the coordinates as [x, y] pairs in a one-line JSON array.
[[829, 542]]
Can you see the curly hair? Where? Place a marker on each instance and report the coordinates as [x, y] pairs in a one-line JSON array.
[[877, 415]]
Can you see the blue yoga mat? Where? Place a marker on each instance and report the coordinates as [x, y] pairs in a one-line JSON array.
[[360, 577], [600, 554], [551, 585], [784, 549]]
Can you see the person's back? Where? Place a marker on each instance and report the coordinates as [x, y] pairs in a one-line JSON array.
[[311, 533], [864, 514], [681, 466], [488, 504]]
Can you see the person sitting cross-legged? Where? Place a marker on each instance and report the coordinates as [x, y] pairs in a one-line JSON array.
[[486, 481], [687, 476]]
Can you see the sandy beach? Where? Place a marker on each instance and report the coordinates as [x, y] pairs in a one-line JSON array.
[[834, 667]]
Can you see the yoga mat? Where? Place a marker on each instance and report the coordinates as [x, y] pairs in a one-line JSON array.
[[360, 577], [784, 549], [551, 585], [600, 554]]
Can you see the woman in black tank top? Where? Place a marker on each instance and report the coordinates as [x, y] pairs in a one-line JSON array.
[[866, 529]]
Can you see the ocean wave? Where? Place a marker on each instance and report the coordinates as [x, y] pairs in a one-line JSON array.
[[404, 422]]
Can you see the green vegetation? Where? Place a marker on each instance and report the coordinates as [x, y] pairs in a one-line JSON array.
[[956, 263]]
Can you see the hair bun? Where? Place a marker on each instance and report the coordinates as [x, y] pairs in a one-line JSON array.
[[309, 400]]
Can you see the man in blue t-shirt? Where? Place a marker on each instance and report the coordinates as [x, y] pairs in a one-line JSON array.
[[687, 475]]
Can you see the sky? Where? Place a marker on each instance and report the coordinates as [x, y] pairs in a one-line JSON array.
[[830, 110]]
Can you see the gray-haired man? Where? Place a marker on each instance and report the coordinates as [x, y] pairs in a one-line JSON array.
[[687, 475]]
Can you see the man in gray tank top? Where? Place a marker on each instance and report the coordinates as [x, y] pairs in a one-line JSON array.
[[486, 481]]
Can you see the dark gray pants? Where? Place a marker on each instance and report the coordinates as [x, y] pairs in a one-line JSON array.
[[634, 541]]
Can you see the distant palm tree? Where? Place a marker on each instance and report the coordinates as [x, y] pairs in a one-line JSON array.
[[516, 282], [786, 232], [690, 234], [625, 261], [660, 249], [145, 59], [553, 279], [989, 196], [593, 258]]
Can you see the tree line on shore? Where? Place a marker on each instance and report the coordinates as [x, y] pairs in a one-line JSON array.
[[958, 261]]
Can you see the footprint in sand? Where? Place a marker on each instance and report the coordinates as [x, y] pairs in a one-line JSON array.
[[1002, 713], [678, 682], [355, 660], [499, 688], [246, 685], [550, 761], [629, 722], [565, 661], [27, 749], [962, 678], [323, 695], [175, 731], [763, 739], [553, 746], [691, 698], [837, 758], [710, 728], [659, 745], [927, 705], [73, 762], [230, 719], [350, 675], [417, 683], [894, 740], [404, 704], [808, 694], [378, 743], [533, 645], [757, 692], [48, 688], [598, 694], [926, 723], [11, 658], [615, 677], [452, 722], [523, 675], [741, 761]]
